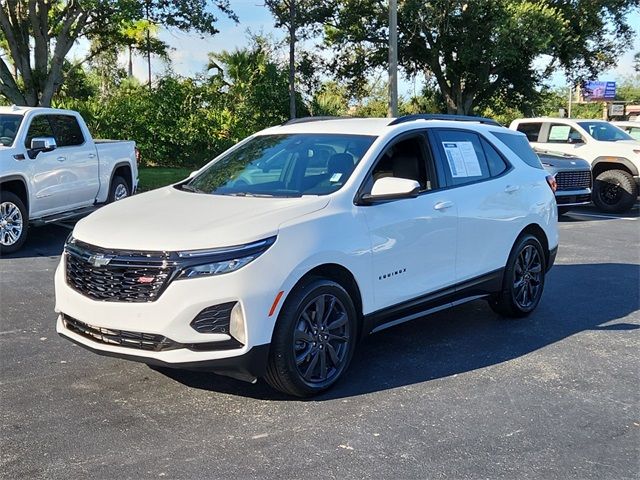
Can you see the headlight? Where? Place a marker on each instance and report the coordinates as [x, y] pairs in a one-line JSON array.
[[218, 261]]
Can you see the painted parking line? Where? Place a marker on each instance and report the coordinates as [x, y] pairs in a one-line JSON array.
[[604, 216]]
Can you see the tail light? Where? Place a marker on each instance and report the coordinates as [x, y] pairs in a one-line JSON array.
[[137, 150], [551, 180]]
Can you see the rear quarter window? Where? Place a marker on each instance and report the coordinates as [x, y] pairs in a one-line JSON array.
[[520, 146]]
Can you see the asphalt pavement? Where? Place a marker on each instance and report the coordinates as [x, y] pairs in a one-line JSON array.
[[459, 394]]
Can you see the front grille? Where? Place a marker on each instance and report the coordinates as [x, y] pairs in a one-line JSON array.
[[122, 338], [577, 180], [141, 341], [117, 276]]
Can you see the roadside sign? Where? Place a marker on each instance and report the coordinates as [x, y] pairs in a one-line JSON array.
[[598, 91]]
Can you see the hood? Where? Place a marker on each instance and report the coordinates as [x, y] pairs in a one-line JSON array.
[[562, 162], [168, 219]]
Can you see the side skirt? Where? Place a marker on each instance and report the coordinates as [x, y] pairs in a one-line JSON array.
[[467, 291]]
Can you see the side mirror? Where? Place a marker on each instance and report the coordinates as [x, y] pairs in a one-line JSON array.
[[575, 139], [391, 188], [42, 144]]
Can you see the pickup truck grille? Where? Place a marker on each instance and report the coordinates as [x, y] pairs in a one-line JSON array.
[[577, 180], [117, 276]]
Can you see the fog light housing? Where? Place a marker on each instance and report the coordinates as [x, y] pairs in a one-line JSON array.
[[237, 324], [214, 319]]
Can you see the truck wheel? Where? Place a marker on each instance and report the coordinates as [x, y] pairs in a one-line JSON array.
[[119, 189], [14, 222], [523, 281], [614, 191], [314, 339]]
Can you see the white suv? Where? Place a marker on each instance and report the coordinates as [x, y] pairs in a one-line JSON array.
[[613, 154], [275, 258]]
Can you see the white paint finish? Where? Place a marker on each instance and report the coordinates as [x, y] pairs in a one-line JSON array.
[[68, 177], [394, 186], [421, 244]]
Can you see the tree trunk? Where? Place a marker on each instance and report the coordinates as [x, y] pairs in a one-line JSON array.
[[130, 71], [292, 59]]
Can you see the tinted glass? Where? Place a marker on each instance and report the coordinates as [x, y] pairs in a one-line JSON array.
[[519, 145], [604, 131], [464, 156], [9, 125], [531, 130], [40, 127], [67, 129], [284, 166], [496, 163]]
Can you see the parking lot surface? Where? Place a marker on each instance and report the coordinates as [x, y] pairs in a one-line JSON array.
[[458, 394]]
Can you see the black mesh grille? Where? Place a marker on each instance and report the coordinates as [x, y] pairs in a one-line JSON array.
[[122, 338], [116, 276], [214, 319], [573, 180]]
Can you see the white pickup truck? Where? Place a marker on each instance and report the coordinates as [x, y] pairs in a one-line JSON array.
[[51, 170]]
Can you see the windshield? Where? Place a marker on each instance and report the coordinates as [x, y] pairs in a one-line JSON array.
[[604, 131], [288, 165], [9, 125]]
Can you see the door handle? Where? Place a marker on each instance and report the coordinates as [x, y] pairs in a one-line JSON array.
[[511, 188], [443, 205], [92, 155], [61, 159]]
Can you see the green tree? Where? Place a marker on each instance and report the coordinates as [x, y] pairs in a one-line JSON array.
[[37, 35], [476, 50]]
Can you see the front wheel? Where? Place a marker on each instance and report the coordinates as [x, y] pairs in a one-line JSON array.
[[13, 223], [119, 189], [523, 281], [314, 339], [614, 191]]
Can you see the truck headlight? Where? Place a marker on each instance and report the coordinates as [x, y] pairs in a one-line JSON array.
[[218, 261]]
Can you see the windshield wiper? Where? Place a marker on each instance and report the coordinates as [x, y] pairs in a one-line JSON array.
[[190, 188], [248, 194]]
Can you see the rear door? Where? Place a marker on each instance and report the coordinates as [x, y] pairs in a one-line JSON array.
[[76, 154], [413, 240], [488, 200]]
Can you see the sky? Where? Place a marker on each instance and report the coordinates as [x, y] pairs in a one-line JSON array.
[[189, 54]]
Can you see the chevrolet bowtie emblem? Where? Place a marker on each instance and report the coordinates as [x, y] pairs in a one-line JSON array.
[[99, 260]]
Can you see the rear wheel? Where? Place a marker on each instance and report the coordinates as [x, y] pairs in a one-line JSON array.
[[314, 339], [614, 191], [523, 281], [119, 189], [13, 222]]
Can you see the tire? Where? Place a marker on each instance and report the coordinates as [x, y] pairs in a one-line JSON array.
[[563, 210], [14, 222], [295, 365], [518, 299], [615, 191], [119, 189]]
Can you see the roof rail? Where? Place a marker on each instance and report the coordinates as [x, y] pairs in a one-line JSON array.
[[441, 116], [312, 119]]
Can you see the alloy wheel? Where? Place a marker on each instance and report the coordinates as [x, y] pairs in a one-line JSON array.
[[11, 223], [322, 339], [121, 192], [527, 284]]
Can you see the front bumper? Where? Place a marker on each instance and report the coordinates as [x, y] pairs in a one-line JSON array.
[[572, 198], [170, 316]]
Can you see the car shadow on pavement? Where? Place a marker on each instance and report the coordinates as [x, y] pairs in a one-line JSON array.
[[470, 336], [47, 241]]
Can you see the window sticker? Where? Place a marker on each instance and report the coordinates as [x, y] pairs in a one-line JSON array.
[[335, 177], [559, 133], [462, 158]]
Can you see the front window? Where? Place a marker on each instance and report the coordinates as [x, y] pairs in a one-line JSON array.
[[286, 165], [604, 131], [9, 125]]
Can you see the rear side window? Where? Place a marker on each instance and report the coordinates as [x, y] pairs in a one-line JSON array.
[[531, 130], [67, 129], [497, 164], [40, 127], [464, 158], [519, 145]]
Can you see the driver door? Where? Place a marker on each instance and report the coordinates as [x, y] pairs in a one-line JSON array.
[[49, 184], [413, 240]]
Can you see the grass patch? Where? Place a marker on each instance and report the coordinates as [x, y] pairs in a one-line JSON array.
[[156, 177]]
